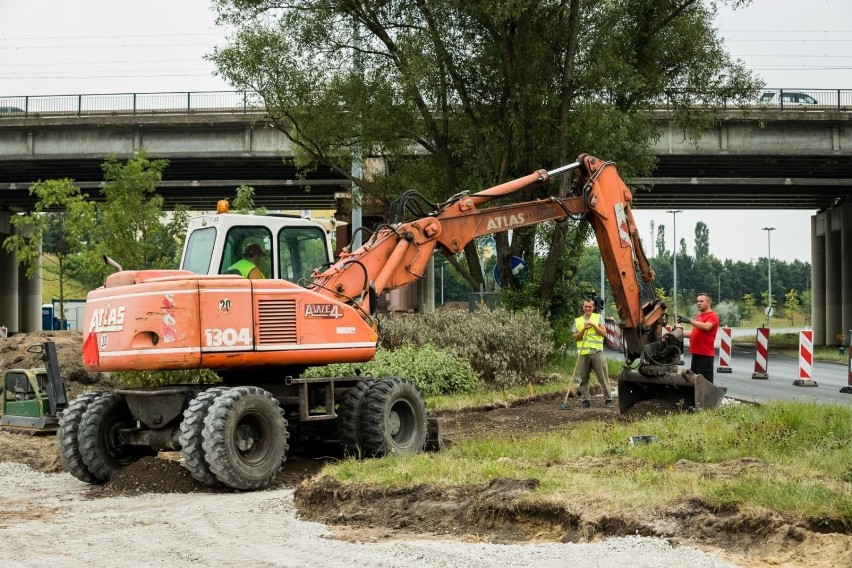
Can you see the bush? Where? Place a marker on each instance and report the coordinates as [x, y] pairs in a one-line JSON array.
[[434, 371], [164, 378], [504, 348], [729, 314]]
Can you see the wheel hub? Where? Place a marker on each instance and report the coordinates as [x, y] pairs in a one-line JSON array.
[[394, 423], [244, 438]]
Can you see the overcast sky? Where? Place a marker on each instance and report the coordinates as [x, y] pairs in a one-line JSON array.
[[97, 46]]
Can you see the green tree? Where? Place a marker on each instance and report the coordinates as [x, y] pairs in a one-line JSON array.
[[791, 304], [486, 91], [131, 227], [661, 241], [244, 201], [749, 304], [702, 241], [60, 204]]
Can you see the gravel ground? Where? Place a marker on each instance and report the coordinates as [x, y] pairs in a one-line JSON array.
[[54, 520]]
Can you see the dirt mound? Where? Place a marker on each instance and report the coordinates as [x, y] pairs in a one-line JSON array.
[[39, 452], [165, 474], [69, 345], [501, 512], [154, 475]]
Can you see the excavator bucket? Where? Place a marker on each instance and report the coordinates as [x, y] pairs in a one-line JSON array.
[[680, 390]]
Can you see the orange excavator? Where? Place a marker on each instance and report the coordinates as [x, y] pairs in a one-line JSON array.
[[259, 335]]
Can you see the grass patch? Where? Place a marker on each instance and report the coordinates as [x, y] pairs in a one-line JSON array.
[[791, 458], [554, 378]]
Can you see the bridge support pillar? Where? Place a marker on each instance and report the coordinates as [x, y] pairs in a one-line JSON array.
[[818, 231], [29, 299], [831, 271], [8, 280], [845, 223], [20, 297]]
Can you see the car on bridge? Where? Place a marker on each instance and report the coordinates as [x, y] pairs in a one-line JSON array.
[[785, 98], [13, 110]]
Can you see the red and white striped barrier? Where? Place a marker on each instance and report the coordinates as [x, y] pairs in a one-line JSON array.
[[848, 388], [761, 354], [806, 359], [613, 335], [724, 350]]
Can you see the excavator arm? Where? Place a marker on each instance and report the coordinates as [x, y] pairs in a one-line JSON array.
[[398, 254]]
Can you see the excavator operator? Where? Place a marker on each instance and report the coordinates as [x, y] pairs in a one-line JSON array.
[[249, 265]]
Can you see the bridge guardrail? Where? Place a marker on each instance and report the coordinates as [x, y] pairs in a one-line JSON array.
[[245, 101], [130, 104]]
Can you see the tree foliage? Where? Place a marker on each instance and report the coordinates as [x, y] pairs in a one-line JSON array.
[[62, 218], [480, 92], [128, 225], [702, 240]]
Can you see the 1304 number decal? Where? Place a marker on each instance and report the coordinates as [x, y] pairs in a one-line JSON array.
[[227, 337]]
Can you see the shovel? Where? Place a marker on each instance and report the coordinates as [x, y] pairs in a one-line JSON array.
[[564, 405]]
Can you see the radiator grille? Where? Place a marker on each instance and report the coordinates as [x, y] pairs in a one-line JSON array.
[[277, 322]]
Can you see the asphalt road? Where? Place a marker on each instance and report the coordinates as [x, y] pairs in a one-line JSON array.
[[782, 371]]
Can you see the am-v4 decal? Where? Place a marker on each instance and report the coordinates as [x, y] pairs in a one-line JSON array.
[[322, 311]]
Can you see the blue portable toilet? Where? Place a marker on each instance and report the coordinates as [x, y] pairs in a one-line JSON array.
[[47, 316]]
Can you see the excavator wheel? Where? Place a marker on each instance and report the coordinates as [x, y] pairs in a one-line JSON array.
[[348, 415], [393, 419], [245, 438], [190, 438], [68, 437], [101, 446]]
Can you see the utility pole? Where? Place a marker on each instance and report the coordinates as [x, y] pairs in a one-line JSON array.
[[769, 272], [653, 240], [674, 256]]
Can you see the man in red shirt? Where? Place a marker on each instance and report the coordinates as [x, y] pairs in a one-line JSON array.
[[702, 336]]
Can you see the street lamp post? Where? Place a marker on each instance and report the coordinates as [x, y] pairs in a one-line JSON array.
[[674, 257], [769, 272], [719, 287]]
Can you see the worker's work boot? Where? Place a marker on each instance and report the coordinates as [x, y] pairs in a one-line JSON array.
[[586, 404], [608, 403]]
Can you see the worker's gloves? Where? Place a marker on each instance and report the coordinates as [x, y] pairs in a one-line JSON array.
[[683, 319]]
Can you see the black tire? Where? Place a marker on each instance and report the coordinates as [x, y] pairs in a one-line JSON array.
[[245, 438], [348, 418], [68, 437], [393, 419], [100, 446], [190, 438]]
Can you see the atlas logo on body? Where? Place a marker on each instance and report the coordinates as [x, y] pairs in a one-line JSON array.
[[501, 222], [107, 319], [322, 311]]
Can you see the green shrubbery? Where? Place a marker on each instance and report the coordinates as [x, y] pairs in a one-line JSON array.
[[163, 378], [504, 348], [434, 371]]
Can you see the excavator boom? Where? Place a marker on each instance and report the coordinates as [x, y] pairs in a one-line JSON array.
[[398, 254]]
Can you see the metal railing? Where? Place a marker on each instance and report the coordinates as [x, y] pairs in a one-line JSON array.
[[246, 102], [131, 104]]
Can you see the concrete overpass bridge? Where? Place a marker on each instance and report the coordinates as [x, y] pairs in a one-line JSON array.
[[766, 157]]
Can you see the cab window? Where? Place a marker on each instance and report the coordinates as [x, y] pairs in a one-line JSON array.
[[18, 387], [199, 250], [236, 242], [301, 249]]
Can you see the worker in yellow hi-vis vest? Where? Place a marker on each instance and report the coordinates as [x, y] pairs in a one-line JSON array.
[[589, 333]]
